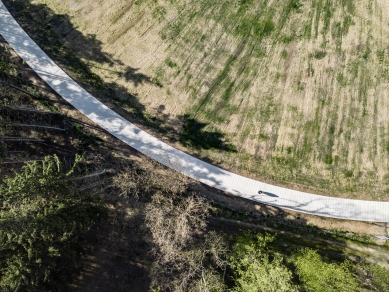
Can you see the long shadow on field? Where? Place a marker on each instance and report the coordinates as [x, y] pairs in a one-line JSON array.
[[195, 135], [130, 75], [72, 50], [57, 36], [133, 75]]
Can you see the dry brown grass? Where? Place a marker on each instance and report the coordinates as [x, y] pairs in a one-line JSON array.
[[296, 117], [126, 28], [122, 10]]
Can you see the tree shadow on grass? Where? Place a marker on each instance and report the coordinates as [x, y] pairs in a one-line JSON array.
[[58, 38], [133, 75], [130, 75], [195, 135], [76, 53]]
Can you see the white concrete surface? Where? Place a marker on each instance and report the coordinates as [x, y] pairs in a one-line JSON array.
[[213, 176]]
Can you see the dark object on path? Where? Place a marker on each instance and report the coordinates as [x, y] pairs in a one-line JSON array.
[[270, 194]]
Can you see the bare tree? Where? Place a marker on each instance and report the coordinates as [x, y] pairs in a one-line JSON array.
[[187, 259], [173, 221]]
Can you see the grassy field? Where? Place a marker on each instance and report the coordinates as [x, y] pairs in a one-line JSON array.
[[294, 91]]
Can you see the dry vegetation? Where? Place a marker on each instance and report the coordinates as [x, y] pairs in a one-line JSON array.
[[294, 91], [153, 209]]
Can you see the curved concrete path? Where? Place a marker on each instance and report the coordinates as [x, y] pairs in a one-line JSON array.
[[211, 175]]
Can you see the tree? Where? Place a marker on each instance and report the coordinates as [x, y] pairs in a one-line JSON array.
[[173, 221], [326, 277], [186, 259], [258, 269], [42, 215]]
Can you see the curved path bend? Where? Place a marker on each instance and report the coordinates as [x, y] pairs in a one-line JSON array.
[[199, 170]]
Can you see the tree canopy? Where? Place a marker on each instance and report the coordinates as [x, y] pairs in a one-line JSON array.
[[258, 269], [42, 215], [320, 276]]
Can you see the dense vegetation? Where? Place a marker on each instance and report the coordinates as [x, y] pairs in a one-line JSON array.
[[42, 216]]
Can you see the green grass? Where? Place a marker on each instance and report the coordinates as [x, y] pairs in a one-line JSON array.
[[48, 105], [170, 63], [319, 54], [263, 137], [342, 80], [159, 13], [86, 137]]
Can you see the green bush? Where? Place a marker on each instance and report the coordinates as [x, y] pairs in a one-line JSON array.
[[324, 277], [256, 268], [380, 277]]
